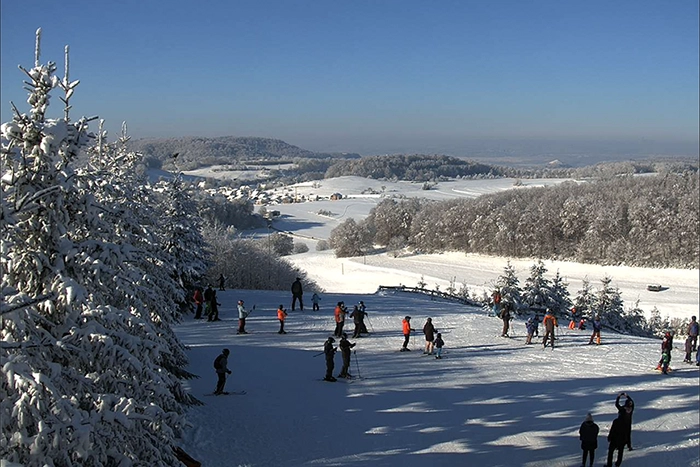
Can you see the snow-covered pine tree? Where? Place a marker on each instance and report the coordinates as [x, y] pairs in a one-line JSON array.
[[83, 376], [509, 286], [609, 305], [560, 294], [537, 292], [585, 300]]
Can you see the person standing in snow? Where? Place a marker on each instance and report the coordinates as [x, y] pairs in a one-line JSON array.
[[242, 315], [506, 317], [625, 411], [363, 311], [596, 330], [198, 301], [281, 316], [496, 300], [315, 298], [356, 316], [339, 314], [345, 347], [329, 352], [222, 280], [588, 434], [439, 344], [297, 293], [429, 331], [616, 441], [406, 333], [530, 326], [666, 346], [688, 349], [221, 367], [549, 322], [213, 307], [208, 294], [693, 332], [665, 361]]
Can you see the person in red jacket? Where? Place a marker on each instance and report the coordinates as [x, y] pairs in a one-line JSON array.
[[281, 315], [406, 333], [199, 301], [339, 312]]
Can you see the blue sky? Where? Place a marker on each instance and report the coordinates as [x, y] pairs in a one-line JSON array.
[[373, 76]]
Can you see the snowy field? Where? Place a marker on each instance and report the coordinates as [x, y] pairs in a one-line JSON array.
[[492, 401]]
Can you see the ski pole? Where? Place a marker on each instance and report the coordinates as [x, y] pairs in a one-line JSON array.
[[357, 364], [320, 353]]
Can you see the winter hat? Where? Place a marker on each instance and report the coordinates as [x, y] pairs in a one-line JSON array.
[[226, 351], [589, 417], [330, 339], [407, 318], [439, 335], [240, 302], [429, 319]]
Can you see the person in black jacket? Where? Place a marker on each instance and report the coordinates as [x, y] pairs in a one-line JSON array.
[[506, 317], [588, 434], [345, 347], [616, 440], [625, 411], [429, 331], [297, 293], [329, 352], [221, 367]]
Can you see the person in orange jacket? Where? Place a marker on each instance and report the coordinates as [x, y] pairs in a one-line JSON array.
[[549, 322], [340, 312], [199, 301], [406, 333], [281, 315]]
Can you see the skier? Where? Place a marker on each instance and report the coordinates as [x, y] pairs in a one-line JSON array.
[[208, 294], [588, 434], [666, 346], [329, 352], [596, 331], [281, 315], [688, 349], [625, 411], [199, 301], [429, 331], [693, 332], [357, 317], [213, 307], [221, 367], [345, 347], [297, 292], [242, 315], [549, 322], [315, 298], [496, 298], [506, 317], [222, 280], [339, 312], [530, 326], [574, 316], [665, 360], [406, 333], [363, 310], [439, 344]]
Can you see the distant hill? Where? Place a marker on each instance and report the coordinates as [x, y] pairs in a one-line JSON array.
[[195, 152]]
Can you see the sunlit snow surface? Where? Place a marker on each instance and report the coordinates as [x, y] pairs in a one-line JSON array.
[[492, 401]]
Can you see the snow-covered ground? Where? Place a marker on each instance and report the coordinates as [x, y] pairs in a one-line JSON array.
[[492, 401]]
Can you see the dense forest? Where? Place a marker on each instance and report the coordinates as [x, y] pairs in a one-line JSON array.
[[632, 220]]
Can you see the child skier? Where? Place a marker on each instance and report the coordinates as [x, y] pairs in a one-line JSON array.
[[688, 349], [329, 352], [345, 347], [429, 331], [281, 316], [530, 326], [439, 343]]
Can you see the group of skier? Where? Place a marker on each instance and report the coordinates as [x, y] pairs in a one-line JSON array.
[[619, 436]]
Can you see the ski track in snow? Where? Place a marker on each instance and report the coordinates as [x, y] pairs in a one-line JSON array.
[[492, 401]]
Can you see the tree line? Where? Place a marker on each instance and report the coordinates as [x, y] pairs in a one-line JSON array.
[[649, 221]]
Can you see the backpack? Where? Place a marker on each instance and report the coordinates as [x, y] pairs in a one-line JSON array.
[[217, 362]]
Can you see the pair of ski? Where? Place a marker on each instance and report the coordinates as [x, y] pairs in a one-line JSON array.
[[231, 393]]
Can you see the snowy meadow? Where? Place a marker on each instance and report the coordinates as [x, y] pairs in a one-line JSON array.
[[492, 401]]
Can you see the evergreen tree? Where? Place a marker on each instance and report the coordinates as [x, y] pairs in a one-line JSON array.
[[560, 294], [90, 370], [537, 292], [585, 300], [608, 304], [509, 287]]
